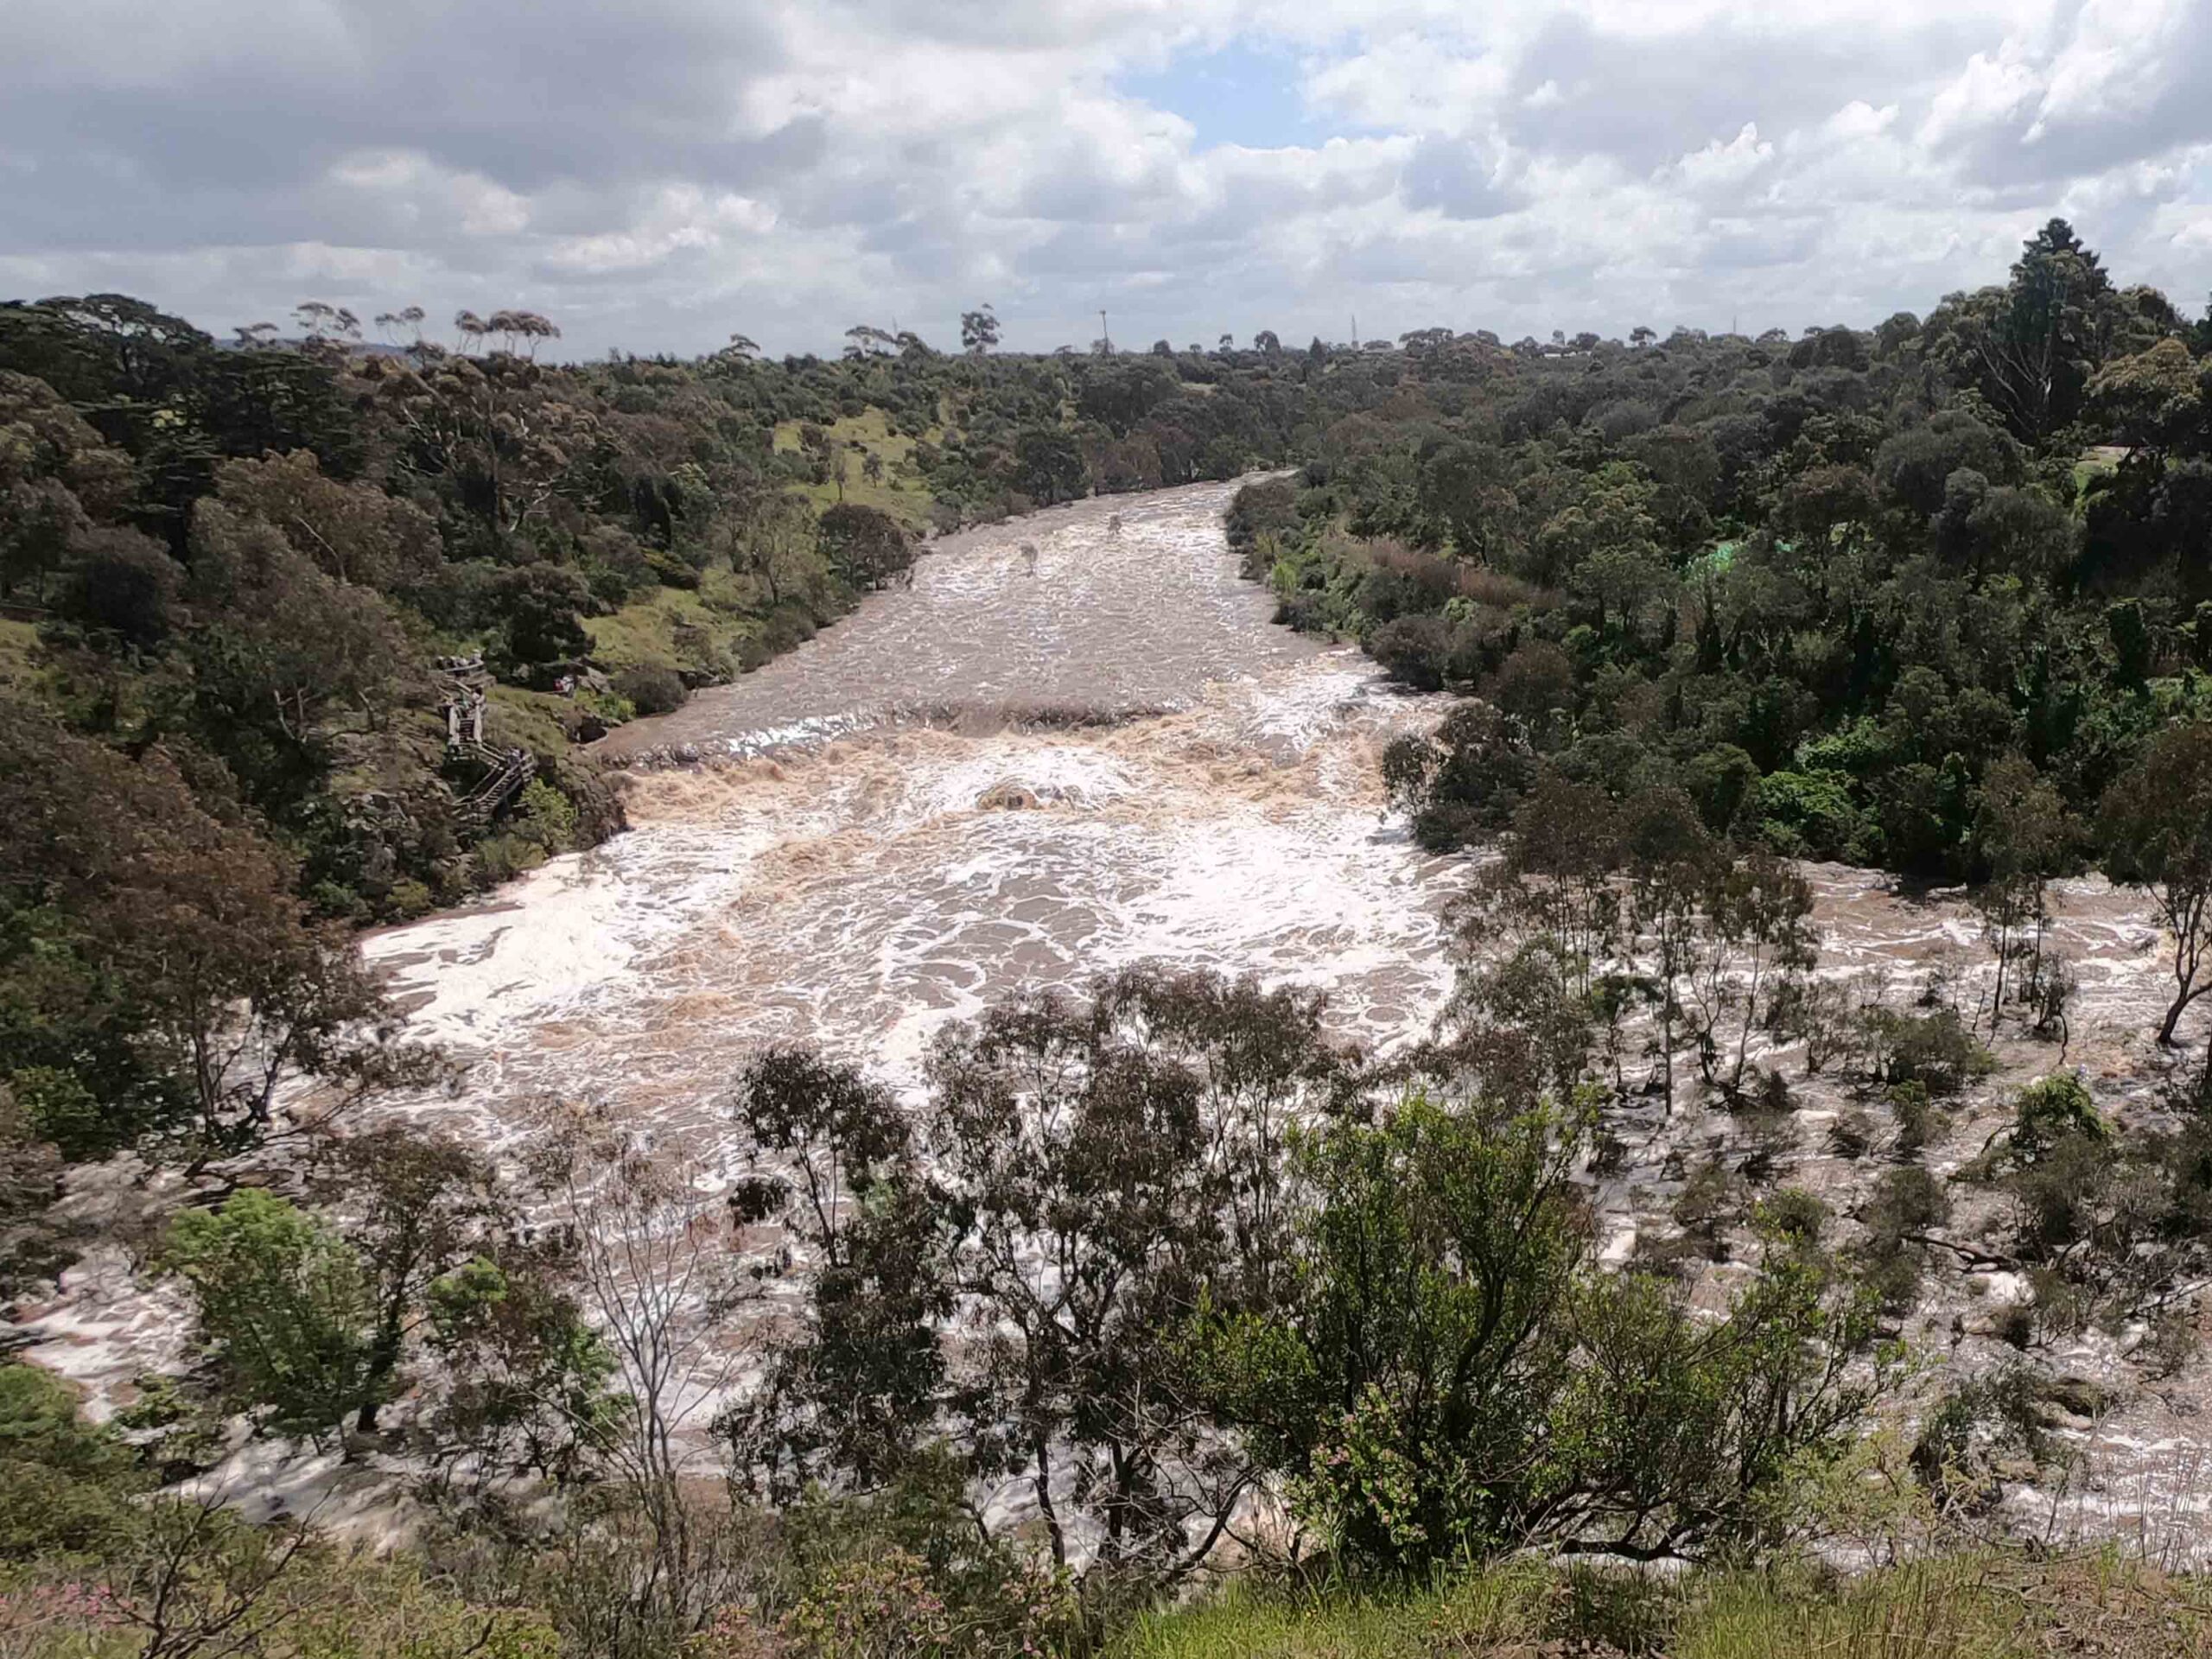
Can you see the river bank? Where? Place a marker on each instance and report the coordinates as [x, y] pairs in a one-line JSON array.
[[1004, 778]]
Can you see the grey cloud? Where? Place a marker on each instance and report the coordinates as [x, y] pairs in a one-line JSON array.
[[1455, 177], [1758, 244], [656, 174], [530, 93], [2042, 148], [1647, 101]]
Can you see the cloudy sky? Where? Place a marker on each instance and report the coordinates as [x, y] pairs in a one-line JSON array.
[[658, 174]]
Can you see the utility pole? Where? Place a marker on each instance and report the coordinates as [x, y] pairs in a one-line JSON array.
[[1355, 330]]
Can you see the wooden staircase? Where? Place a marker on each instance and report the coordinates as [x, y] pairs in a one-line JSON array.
[[506, 771]]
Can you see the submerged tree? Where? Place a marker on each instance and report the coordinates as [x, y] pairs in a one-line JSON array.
[[2024, 835], [287, 1308], [2157, 824], [1452, 1376], [1015, 1274]]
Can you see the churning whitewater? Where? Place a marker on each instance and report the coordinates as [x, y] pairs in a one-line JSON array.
[[1025, 773], [1003, 776]]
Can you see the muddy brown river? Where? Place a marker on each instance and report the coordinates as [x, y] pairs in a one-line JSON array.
[[1027, 772], [896, 823]]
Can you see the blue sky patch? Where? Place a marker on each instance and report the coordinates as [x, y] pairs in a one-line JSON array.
[[1241, 93]]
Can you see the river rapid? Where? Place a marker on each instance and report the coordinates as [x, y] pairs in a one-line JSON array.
[[1025, 773], [1016, 772], [1028, 771]]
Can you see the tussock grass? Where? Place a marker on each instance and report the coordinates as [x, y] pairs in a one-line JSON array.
[[1992, 1605], [19, 651]]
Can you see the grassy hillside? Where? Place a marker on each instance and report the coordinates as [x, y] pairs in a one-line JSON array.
[[899, 489], [711, 632], [18, 650]]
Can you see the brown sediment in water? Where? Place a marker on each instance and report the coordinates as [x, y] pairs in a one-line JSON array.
[[979, 785], [1110, 627]]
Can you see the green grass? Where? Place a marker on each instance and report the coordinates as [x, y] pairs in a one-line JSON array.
[[706, 632], [516, 718], [1990, 1605], [1481, 1614], [19, 651], [901, 492], [2099, 460]]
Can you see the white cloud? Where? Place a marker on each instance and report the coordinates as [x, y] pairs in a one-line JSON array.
[[656, 174], [2122, 53], [1990, 91], [1721, 166], [1857, 120]]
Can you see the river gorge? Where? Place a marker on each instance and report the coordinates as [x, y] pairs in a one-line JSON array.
[[1003, 776], [1078, 743]]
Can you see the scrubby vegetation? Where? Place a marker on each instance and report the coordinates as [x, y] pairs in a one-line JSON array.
[[1850, 592], [1441, 1351], [1973, 1606], [1154, 1284]]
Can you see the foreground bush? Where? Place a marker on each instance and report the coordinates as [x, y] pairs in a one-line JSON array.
[[651, 688], [1452, 1376]]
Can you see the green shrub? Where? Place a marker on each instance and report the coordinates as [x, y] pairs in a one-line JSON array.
[[1905, 1200], [1809, 814], [1452, 1376], [285, 1305], [1984, 1428], [502, 857], [1795, 1214], [2049, 1111], [905, 1571], [651, 688], [545, 818], [65, 1484], [56, 1106], [1917, 1115], [1934, 1050]]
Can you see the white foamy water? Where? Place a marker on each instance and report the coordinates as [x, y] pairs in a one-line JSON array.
[[882, 843], [887, 840], [1110, 622]]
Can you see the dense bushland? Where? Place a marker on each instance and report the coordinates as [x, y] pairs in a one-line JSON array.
[[1863, 595]]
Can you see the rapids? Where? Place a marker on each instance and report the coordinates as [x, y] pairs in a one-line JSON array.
[[1000, 778], [994, 780]]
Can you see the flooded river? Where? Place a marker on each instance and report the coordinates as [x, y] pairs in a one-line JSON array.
[[1028, 771], [1004, 776]]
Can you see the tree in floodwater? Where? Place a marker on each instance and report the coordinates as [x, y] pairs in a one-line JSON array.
[[2023, 833], [1452, 1376], [310, 1315], [1671, 861], [2157, 826], [159, 976], [1010, 1272], [865, 546]]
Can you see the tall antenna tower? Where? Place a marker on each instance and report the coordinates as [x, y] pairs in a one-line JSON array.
[[1355, 330], [1105, 335]]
